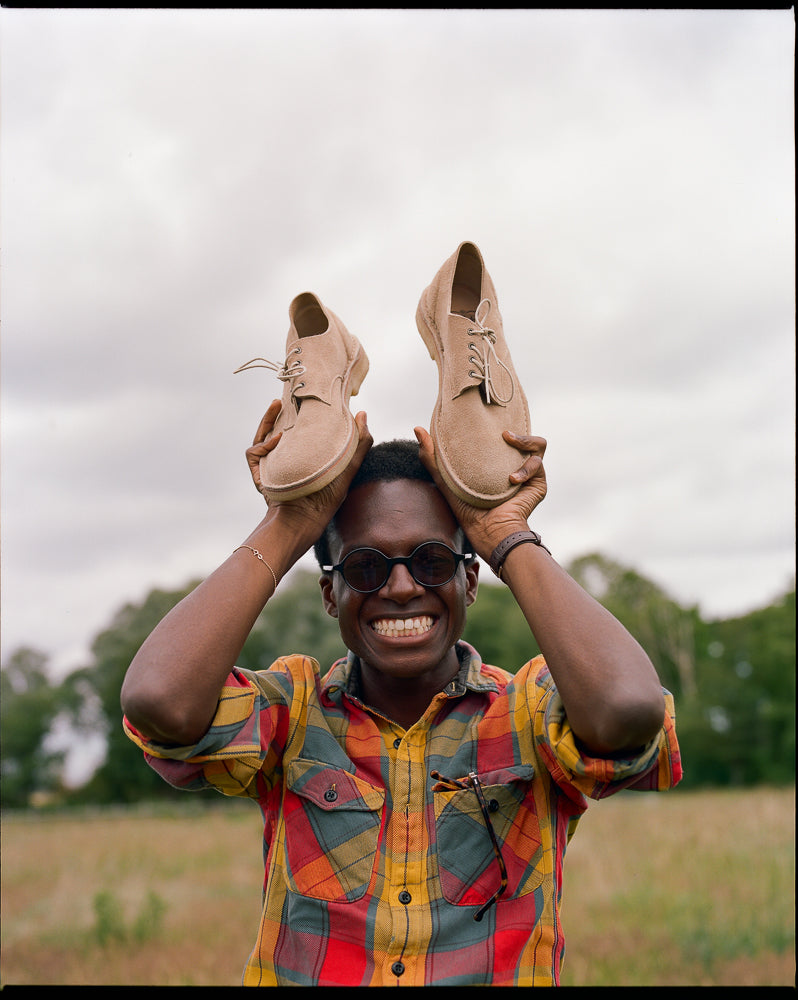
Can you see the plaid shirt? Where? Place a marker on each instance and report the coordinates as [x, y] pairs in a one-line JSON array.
[[374, 870]]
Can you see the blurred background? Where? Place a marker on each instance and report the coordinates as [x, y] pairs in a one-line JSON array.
[[171, 180]]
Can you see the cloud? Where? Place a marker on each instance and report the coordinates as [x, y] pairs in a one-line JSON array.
[[173, 179]]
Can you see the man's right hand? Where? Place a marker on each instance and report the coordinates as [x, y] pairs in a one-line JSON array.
[[311, 513]]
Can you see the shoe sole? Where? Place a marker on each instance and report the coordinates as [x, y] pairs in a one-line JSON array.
[[353, 379], [434, 345]]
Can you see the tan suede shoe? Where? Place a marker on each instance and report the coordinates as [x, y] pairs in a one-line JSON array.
[[479, 395], [324, 366]]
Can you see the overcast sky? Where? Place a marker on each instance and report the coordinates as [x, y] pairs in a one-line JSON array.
[[170, 181]]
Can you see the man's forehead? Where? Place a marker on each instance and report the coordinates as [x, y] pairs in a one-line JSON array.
[[409, 507]]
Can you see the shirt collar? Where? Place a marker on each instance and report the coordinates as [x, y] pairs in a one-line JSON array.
[[344, 676]]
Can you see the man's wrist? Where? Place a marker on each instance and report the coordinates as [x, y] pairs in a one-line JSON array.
[[511, 541], [283, 539]]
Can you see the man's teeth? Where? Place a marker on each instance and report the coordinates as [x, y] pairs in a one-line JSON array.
[[402, 626]]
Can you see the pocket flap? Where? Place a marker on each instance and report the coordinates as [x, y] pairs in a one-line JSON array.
[[330, 788]]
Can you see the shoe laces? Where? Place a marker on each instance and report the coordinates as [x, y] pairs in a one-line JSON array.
[[486, 355], [289, 370]]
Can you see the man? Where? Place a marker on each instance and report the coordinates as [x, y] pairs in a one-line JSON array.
[[373, 876], [417, 803]]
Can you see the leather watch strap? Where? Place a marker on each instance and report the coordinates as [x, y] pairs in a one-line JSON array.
[[509, 543]]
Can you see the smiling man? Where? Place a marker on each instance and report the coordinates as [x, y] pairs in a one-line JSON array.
[[402, 631], [417, 803]]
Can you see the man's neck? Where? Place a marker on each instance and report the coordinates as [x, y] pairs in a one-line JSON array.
[[401, 699]]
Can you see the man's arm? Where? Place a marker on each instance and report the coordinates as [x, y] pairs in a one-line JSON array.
[[610, 690], [172, 687]]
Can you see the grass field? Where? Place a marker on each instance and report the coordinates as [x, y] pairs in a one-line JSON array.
[[678, 889]]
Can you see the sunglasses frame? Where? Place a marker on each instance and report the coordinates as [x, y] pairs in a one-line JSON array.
[[399, 561]]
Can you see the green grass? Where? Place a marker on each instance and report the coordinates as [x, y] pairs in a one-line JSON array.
[[682, 889], [674, 889]]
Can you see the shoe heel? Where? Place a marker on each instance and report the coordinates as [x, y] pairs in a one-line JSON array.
[[359, 369]]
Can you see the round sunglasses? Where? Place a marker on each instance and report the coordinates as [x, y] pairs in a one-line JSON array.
[[431, 564]]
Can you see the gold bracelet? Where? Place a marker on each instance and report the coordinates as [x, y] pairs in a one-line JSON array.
[[260, 557]]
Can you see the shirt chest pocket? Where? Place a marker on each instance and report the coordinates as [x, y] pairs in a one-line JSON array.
[[467, 864], [332, 827]]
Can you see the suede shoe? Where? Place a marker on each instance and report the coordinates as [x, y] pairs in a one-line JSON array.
[[479, 395], [324, 366]]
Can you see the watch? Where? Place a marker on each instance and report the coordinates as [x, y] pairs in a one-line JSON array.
[[517, 538]]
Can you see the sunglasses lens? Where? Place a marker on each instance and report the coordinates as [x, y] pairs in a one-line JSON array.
[[433, 564], [365, 570]]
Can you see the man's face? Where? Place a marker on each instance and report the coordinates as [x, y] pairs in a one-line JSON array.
[[395, 517]]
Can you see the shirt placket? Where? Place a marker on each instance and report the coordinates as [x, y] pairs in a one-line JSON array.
[[407, 852]]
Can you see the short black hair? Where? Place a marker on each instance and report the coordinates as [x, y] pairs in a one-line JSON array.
[[384, 463]]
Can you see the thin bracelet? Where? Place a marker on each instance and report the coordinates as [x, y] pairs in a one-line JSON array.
[[260, 557]]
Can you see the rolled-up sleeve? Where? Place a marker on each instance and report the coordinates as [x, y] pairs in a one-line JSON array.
[[656, 767], [245, 737]]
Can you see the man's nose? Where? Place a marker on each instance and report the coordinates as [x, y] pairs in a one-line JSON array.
[[400, 585]]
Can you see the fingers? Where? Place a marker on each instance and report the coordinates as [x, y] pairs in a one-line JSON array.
[[425, 441], [267, 421], [534, 448], [260, 445], [526, 442], [532, 467], [256, 451], [365, 439], [528, 470], [263, 443], [426, 452]]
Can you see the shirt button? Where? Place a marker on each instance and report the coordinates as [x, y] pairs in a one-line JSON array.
[[396, 744], [397, 968], [405, 897], [330, 795]]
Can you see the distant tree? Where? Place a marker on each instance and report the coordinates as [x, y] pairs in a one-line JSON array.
[[497, 629], [123, 776], [664, 629], [294, 621], [742, 729], [28, 707], [733, 680]]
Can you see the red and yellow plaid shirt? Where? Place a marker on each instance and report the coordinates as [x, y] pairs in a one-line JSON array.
[[374, 870]]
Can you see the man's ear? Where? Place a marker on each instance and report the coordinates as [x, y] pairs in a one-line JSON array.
[[328, 596], [472, 582]]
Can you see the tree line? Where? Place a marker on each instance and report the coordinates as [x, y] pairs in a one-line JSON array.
[[733, 681]]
